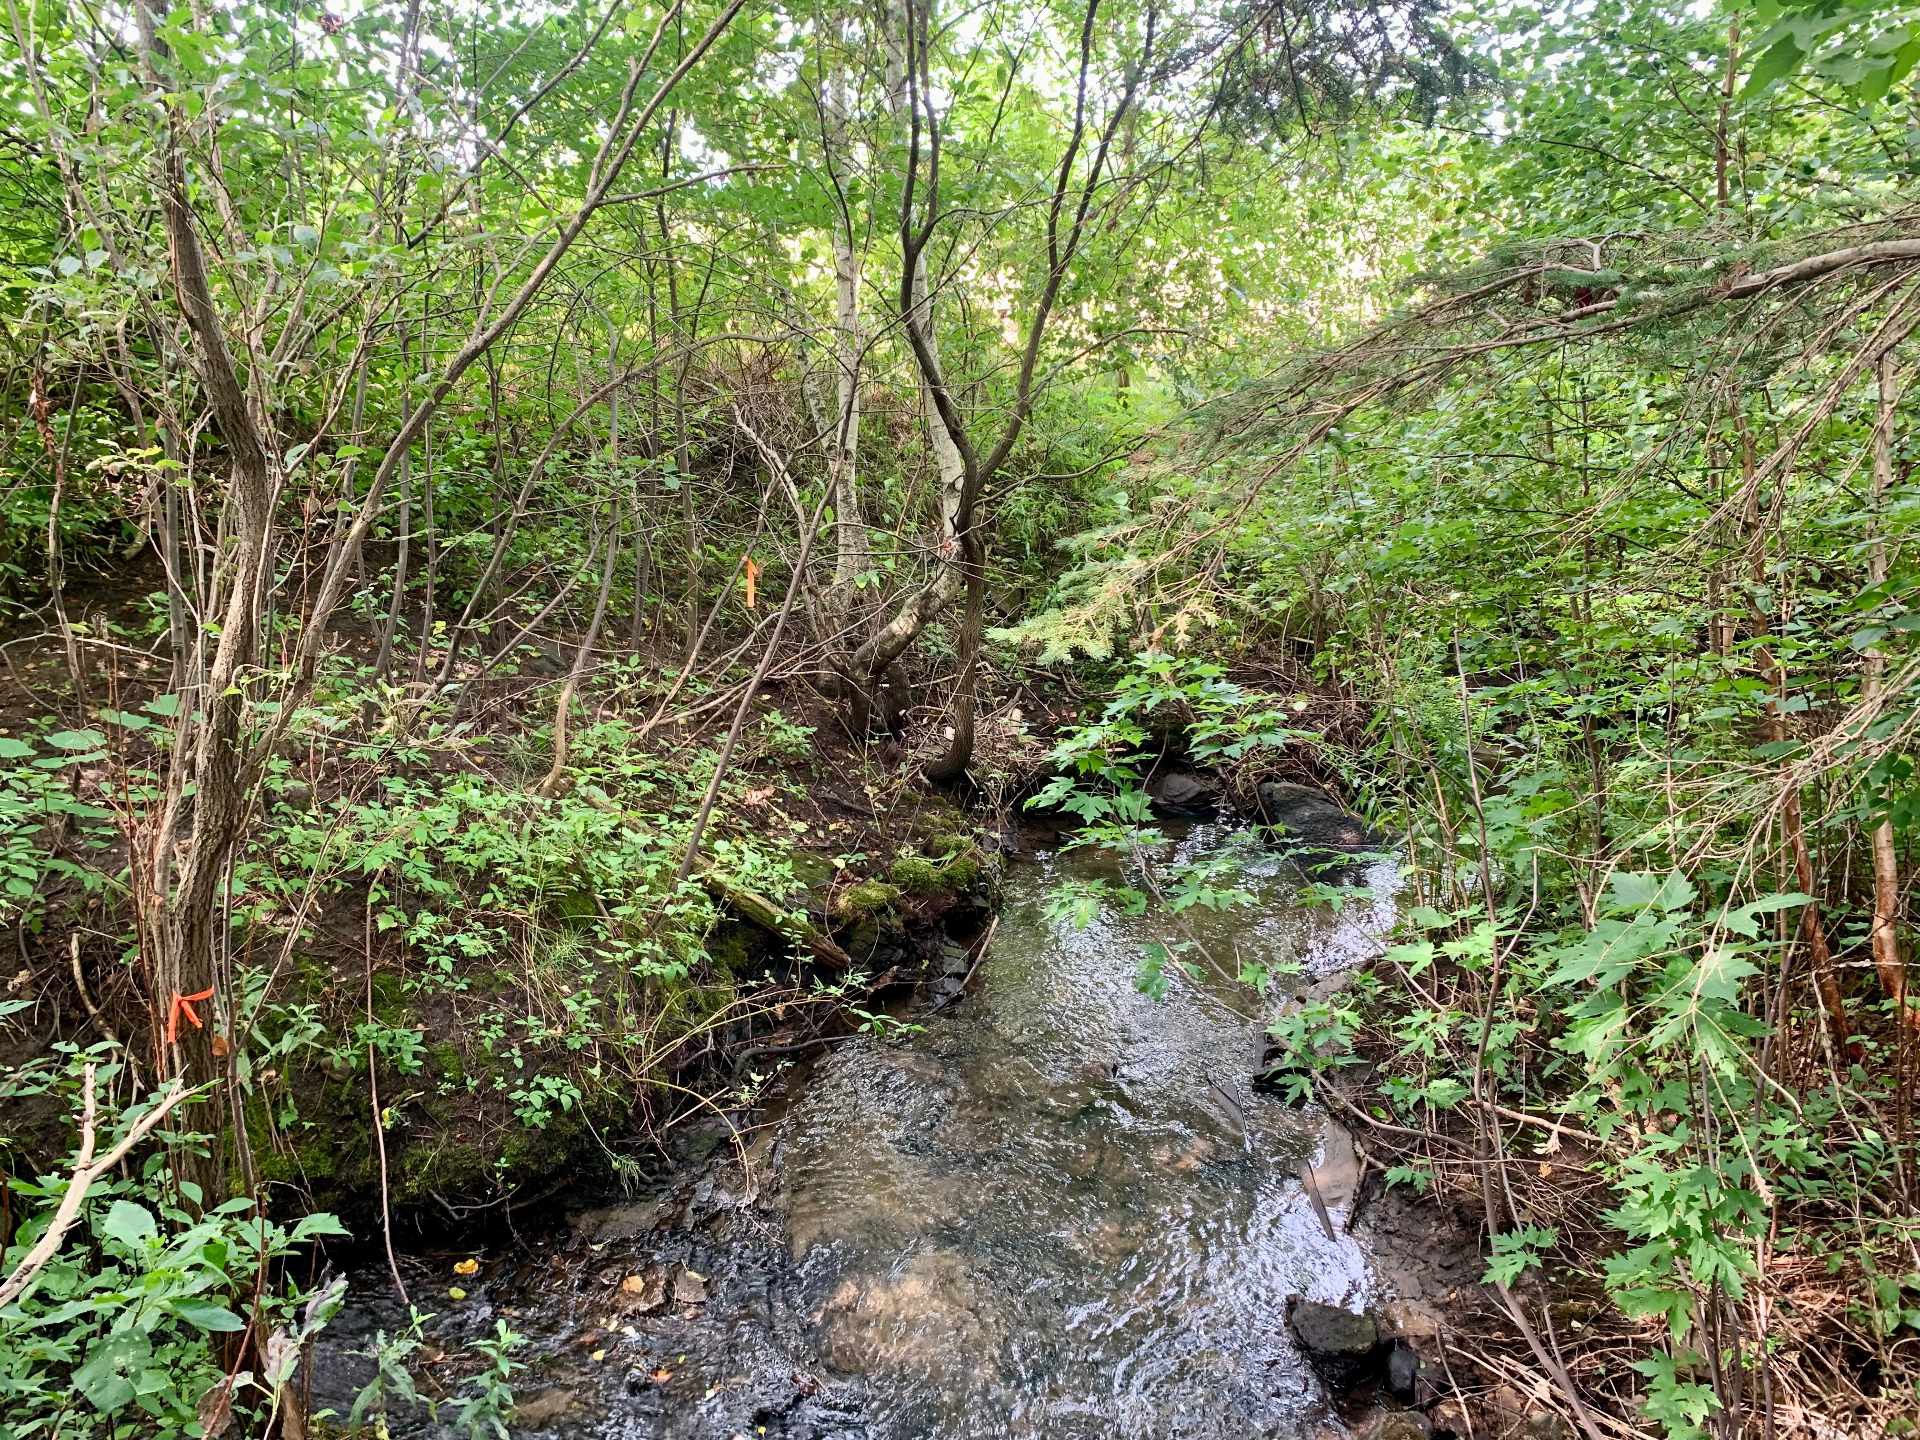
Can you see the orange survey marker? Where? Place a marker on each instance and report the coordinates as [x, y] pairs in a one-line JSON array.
[[753, 576], [183, 1005]]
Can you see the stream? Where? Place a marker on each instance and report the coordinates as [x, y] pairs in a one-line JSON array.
[[1056, 1210]]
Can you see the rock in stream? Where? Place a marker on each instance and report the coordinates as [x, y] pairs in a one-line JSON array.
[[1059, 1211]]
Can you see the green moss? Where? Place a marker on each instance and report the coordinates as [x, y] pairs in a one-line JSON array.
[[958, 870], [815, 872], [730, 949], [946, 844], [869, 897], [577, 905], [445, 1062], [963, 871], [326, 1147], [391, 1003], [917, 875]]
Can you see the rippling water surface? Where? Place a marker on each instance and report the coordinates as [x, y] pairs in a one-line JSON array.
[[1057, 1211]]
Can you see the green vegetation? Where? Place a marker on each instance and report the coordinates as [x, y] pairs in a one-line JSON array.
[[538, 547]]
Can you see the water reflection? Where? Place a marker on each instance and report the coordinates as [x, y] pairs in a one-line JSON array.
[[1058, 1212], [1061, 1211]]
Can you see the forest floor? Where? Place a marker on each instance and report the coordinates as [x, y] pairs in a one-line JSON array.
[[538, 1004], [428, 926], [450, 961]]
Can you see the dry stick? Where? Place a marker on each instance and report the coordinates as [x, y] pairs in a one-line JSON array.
[[379, 1124], [86, 1170], [100, 1021], [1550, 1363], [1554, 1128], [766, 661]]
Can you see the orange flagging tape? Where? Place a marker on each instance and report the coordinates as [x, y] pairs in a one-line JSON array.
[[183, 1005]]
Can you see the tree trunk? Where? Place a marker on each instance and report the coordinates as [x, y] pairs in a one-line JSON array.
[[1793, 830], [583, 657], [1884, 936], [966, 686], [182, 923], [843, 443]]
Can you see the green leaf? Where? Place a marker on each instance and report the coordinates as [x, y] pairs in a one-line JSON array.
[[1745, 921], [132, 1225], [103, 1378], [1417, 956], [1780, 60], [1719, 973], [208, 1315], [1631, 890], [11, 749], [76, 739], [1445, 1093], [312, 1227]]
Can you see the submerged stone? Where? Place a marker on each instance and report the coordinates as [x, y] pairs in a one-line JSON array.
[[1399, 1425], [1343, 1346], [689, 1288], [1313, 820]]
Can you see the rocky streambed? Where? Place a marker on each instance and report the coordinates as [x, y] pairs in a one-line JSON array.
[[1057, 1210]]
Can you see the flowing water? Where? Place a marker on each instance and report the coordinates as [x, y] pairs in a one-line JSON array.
[[1058, 1210]]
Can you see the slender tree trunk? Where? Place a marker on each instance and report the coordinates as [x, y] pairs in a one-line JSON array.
[[879, 651], [403, 498], [429, 578], [178, 888], [949, 463], [843, 444], [1793, 830], [1884, 936], [583, 657], [966, 685]]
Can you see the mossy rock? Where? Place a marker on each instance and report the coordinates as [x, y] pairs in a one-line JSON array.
[[576, 905], [815, 872], [869, 897], [963, 871], [872, 933], [957, 871], [917, 875], [946, 845]]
